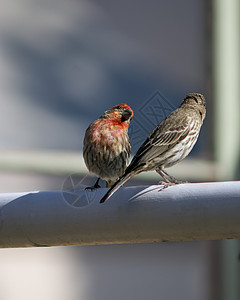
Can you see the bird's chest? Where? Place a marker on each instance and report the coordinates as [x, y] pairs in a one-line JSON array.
[[180, 150], [108, 137]]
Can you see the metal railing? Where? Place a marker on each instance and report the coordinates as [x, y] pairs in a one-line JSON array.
[[202, 211]]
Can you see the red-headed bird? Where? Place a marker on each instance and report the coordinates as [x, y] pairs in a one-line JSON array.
[[106, 147]]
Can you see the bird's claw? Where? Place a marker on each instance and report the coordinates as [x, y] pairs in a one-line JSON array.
[[182, 182], [92, 188], [166, 184]]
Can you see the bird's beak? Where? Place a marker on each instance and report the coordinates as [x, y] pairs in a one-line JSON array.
[[126, 114]]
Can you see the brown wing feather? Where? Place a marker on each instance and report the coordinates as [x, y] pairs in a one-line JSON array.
[[162, 137]]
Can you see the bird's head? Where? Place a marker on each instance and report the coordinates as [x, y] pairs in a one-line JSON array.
[[195, 101], [119, 113]]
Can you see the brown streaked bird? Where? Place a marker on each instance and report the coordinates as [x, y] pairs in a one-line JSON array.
[[106, 147], [170, 142]]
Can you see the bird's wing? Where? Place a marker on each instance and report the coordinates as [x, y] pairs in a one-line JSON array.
[[169, 137], [162, 137]]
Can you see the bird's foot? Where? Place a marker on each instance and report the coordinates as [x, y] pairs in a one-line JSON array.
[[92, 188], [166, 184], [96, 186], [181, 182]]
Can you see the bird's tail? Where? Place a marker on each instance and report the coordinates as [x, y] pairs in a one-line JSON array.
[[117, 185]]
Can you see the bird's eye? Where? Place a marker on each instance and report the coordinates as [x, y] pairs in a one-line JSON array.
[[119, 107]]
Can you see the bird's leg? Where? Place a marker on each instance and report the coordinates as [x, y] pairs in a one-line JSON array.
[[174, 180], [159, 171], [96, 185], [166, 182]]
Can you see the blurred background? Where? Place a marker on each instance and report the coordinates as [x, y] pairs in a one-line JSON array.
[[63, 63]]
